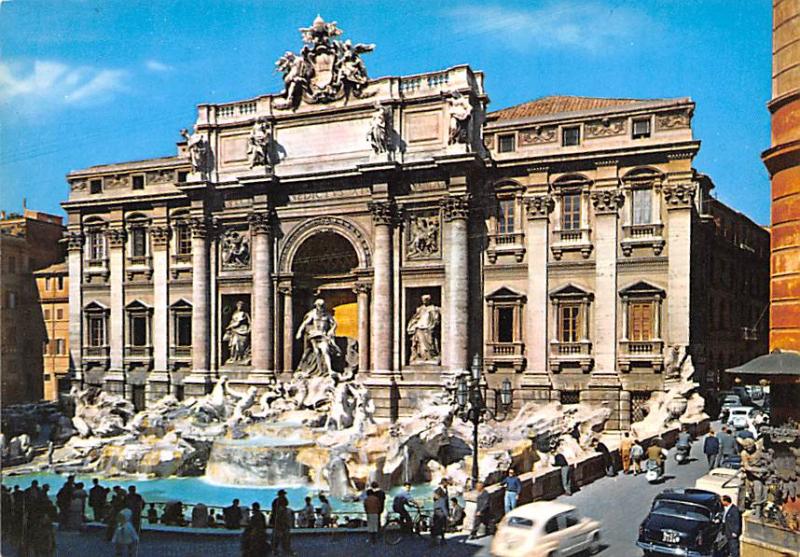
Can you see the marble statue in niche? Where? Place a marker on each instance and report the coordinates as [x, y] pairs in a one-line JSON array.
[[199, 150], [237, 335], [460, 116], [258, 144], [423, 237], [235, 250], [423, 327], [318, 331], [380, 129]]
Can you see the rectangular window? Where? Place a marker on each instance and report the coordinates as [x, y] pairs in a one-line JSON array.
[[45, 347], [571, 211], [641, 128], [95, 186], [640, 321], [138, 245], [505, 324], [97, 336], [47, 315], [506, 143], [571, 136], [569, 322], [138, 330], [47, 284], [60, 282], [60, 349], [505, 216], [97, 246], [183, 239], [11, 300], [183, 330], [182, 175], [642, 206], [138, 182], [59, 314]]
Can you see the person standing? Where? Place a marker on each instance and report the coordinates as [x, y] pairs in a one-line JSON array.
[[325, 511], [732, 525], [381, 495], [483, 512], [254, 539], [281, 534], [625, 452], [372, 506], [560, 461], [97, 500], [608, 462], [513, 488], [63, 500], [125, 537], [711, 448], [233, 516], [136, 504], [727, 445], [439, 526], [637, 454]]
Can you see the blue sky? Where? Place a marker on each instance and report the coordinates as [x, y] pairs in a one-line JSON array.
[[91, 82]]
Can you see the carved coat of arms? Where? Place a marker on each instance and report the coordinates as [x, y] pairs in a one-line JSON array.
[[325, 70]]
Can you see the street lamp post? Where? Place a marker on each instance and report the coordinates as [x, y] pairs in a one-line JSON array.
[[471, 399]]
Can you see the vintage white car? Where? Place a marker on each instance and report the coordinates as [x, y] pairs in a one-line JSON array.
[[722, 481], [545, 529]]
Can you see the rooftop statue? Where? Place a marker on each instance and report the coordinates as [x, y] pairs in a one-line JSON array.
[[326, 69]]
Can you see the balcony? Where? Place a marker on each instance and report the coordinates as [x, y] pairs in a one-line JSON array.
[[577, 239], [96, 356], [96, 269], [506, 243], [641, 354], [505, 354], [571, 355], [181, 263], [139, 265], [138, 357], [642, 235]]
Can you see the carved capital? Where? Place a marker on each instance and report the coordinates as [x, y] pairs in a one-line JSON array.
[[539, 206], [383, 212], [159, 235], [260, 223], [679, 195], [75, 240], [362, 288], [607, 201], [201, 227], [116, 237], [455, 207]]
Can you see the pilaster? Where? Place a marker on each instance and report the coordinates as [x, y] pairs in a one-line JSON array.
[[159, 238], [75, 241], [116, 261], [679, 200]]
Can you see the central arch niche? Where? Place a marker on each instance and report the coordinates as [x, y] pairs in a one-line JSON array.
[[324, 266]]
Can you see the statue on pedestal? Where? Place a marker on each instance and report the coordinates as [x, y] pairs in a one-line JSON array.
[[199, 150], [237, 335], [318, 329], [423, 328], [258, 144]]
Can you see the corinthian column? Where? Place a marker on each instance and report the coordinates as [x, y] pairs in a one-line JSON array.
[[536, 236], [200, 300], [263, 346], [383, 218], [75, 240], [362, 291], [456, 341]]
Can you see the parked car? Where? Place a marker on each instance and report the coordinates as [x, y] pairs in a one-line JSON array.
[[741, 417], [685, 521], [723, 481], [545, 528], [728, 401]]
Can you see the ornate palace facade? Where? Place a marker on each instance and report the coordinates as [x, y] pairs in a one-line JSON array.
[[555, 238]]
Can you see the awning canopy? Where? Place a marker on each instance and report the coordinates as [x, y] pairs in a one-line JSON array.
[[776, 363]]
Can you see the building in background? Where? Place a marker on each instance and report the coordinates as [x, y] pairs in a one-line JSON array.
[[52, 284], [562, 239], [28, 242], [782, 160]]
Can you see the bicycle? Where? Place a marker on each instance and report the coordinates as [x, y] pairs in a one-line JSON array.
[[393, 531]]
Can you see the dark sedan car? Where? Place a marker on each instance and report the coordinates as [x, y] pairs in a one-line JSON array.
[[683, 522]]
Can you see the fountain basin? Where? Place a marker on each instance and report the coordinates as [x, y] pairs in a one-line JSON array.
[[257, 460]]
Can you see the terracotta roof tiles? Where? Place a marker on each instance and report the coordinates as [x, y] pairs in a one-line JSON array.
[[557, 104]]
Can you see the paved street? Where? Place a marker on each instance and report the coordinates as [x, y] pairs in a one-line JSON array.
[[620, 503]]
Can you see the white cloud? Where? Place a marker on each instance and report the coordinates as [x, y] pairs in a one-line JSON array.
[[44, 85], [156, 66], [588, 26]]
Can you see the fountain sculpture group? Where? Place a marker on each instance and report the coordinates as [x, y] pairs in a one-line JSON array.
[[318, 426]]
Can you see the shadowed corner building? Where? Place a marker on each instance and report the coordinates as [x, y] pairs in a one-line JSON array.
[[566, 240], [28, 242]]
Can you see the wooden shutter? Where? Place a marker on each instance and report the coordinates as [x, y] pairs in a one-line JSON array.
[[641, 321]]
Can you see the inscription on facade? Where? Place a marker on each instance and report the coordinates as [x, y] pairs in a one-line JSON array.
[[424, 126]]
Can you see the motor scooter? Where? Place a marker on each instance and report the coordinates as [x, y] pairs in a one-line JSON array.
[[653, 472], [682, 453]]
